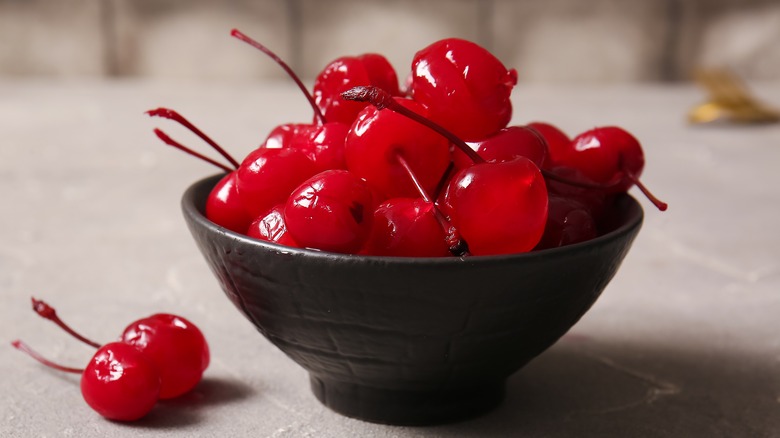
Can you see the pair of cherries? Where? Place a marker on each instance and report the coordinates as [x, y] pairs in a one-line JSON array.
[[426, 171], [159, 357]]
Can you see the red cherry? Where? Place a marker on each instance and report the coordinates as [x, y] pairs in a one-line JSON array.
[[224, 206], [568, 222], [345, 73], [267, 176], [465, 88], [406, 227], [378, 137], [272, 228], [283, 135], [499, 208], [557, 141], [332, 211], [176, 347], [610, 156], [120, 382], [323, 144], [506, 145]]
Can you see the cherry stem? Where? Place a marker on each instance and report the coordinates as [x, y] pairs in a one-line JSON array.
[[657, 202], [171, 142], [48, 312], [382, 99], [317, 111], [455, 243], [21, 346], [176, 117]]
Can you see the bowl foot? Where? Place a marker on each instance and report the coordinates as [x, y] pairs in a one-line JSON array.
[[389, 406]]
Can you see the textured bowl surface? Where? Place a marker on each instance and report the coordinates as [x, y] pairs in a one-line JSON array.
[[410, 340]]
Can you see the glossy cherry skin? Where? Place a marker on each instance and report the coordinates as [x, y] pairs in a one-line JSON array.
[[175, 346], [332, 211], [406, 227], [224, 206], [377, 137], [345, 73], [267, 176], [282, 135], [465, 88], [557, 141], [606, 155], [506, 145], [568, 222], [499, 208], [323, 144], [272, 228], [120, 382]]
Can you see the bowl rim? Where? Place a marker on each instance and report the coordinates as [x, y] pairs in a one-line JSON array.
[[193, 207]]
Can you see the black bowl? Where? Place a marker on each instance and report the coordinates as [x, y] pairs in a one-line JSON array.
[[410, 340]]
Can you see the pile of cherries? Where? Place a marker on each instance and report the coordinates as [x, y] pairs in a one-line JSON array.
[[156, 358], [431, 169]]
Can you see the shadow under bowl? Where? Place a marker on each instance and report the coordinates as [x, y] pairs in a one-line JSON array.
[[410, 340]]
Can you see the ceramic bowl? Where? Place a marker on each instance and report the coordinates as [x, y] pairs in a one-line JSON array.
[[410, 340]]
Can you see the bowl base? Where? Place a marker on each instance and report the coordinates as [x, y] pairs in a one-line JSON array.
[[419, 408]]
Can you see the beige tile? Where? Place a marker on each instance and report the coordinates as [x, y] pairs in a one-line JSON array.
[[395, 28], [190, 40], [576, 41], [51, 38]]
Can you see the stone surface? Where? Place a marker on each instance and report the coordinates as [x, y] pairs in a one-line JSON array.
[[683, 342]]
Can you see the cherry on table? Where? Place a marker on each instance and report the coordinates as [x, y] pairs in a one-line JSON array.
[[173, 348], [176, 347], [120, 382]]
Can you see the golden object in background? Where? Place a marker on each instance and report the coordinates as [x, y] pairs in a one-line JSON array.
[[729, 101]]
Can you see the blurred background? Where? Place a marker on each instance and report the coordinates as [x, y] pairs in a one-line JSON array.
[[552, 41]]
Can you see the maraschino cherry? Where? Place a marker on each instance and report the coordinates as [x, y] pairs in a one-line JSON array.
[[331, 211], [159, 357], [497, 207], [120, 383], [378, 137], [464, 87], [350, 71]]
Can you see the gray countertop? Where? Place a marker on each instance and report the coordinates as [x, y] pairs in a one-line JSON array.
[[684, 342]]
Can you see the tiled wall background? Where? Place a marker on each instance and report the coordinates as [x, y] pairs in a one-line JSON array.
[[547, 41]]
